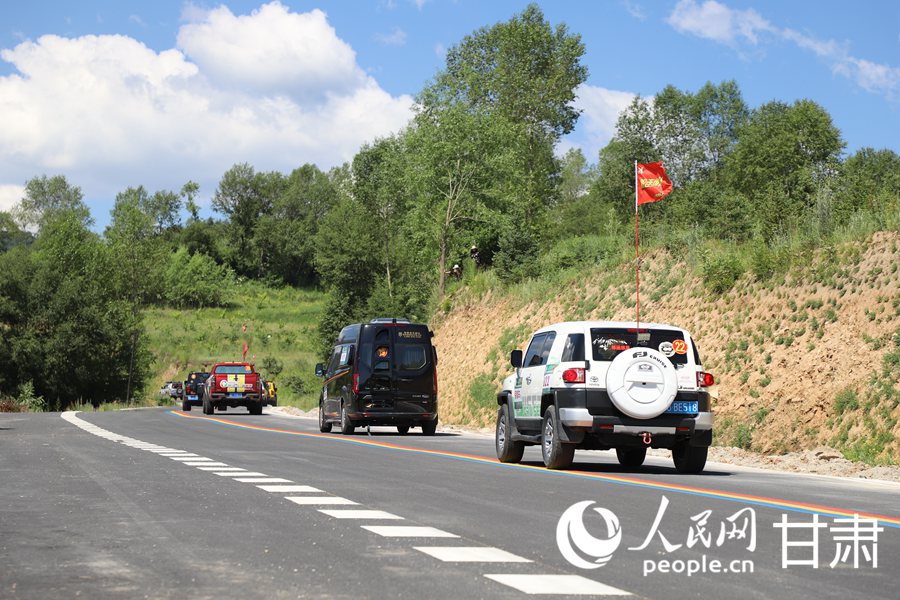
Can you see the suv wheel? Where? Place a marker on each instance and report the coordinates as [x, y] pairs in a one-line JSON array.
[[631, 457], [186, 406], [402, 429], [208, 408], [557, 455], [324, 426], [508, 451], [255, 409], [429, 427], [347, 426], [689, 459]]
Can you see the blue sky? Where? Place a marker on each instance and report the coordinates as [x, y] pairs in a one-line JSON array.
[[118, 93]]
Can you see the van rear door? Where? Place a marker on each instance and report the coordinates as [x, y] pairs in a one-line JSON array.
[[396, 364]]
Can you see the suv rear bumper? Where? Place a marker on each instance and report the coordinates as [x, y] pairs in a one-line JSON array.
[[580, 418]]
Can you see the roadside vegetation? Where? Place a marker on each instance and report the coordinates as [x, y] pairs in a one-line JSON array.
[[768, 209]]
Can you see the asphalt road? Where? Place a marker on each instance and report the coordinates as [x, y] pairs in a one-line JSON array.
[[162, 504]]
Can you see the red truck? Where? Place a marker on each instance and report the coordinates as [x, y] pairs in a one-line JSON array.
[[233, 384]]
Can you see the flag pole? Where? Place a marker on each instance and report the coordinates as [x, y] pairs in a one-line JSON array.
[[637, 257]]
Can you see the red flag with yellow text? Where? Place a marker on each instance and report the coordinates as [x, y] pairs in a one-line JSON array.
[[652, 182]]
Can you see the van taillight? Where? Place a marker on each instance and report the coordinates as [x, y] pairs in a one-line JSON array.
[[573, 375], [356, 383], [705, 379], [434, 387]]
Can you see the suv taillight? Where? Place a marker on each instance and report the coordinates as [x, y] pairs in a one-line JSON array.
[[705, 379], [573, 376], [434, 387], [356, 383]]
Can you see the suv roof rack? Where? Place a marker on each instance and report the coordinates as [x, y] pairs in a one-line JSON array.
[[389, 320]]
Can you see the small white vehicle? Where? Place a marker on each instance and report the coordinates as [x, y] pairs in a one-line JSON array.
[[599, 385]]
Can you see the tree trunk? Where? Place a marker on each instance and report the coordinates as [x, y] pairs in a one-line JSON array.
[[442, 265]]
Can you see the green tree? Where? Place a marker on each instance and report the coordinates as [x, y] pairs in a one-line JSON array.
[[47, 197], [869, 180], [10, 233]]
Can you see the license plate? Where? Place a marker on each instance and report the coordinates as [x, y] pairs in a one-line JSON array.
[[684, 407], [234, 395], [192, 397]]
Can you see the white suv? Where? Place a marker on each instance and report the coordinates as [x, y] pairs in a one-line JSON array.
[[599, 385]]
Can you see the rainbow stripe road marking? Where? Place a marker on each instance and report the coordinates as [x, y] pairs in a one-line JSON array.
[[788, 505]]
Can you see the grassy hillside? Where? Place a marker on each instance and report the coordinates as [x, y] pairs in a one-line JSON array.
[[281, 327], [805, 354]]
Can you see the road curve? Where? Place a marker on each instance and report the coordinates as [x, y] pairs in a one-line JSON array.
[[163, 504]]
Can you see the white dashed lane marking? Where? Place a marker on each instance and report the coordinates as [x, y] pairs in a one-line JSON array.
[[359, 514], [471, 554], [234, 470], [527, 583], [293, 489], [571, 585], [408, 531], [314, 500]]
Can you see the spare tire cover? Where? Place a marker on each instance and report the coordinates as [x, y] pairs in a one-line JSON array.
[[641, 382]]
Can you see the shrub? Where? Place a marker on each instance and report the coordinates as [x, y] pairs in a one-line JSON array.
[[721, 270], [196, 281], [577, 251], [845, 400]]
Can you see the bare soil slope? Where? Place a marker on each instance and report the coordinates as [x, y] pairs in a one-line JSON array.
[[803, 360]]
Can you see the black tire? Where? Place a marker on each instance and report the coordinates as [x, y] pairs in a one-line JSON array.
[[324, 426], [186, 406], [557, 455], [347, 426], [402, 429], [208, 408], [508, 451], [255, 409], [689, 459], [631, 457], [429, 427]]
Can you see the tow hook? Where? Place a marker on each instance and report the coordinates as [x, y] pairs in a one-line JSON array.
[[648, 438]]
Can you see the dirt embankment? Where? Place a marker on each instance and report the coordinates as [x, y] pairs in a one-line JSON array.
[[803, 360]]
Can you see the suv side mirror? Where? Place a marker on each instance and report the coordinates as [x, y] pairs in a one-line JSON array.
[[320, 370], [515, 358]]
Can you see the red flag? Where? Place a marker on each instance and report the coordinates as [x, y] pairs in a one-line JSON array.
[[245, 351], [652, 183]]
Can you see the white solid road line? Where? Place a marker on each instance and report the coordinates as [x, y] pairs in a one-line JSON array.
[[206, 464], [180, 458], [246, 479], [294, 489], [241, 473], [471, 554], [359, 514], [323, 500], [408, 531], [571, 585]]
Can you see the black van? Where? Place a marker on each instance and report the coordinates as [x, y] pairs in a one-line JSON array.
[[381, 373]]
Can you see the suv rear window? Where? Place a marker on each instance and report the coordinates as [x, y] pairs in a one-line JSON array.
[[606, 344]]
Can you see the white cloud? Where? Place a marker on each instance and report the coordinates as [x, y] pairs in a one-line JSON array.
[[420, 4], [440, 50], [635, 10], [600, 110], [397, 37], [715, 21], [108, 112], [137, 20], [10, 196]]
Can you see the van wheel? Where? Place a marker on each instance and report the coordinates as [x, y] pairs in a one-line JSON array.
[[347, 426], [508, 451], [429, 427], [557, 455], [402, 429], [689, 459], [631, 457], [324, 426], [186, 406]]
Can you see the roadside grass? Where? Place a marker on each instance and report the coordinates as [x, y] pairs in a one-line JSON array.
[[280, 331]]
